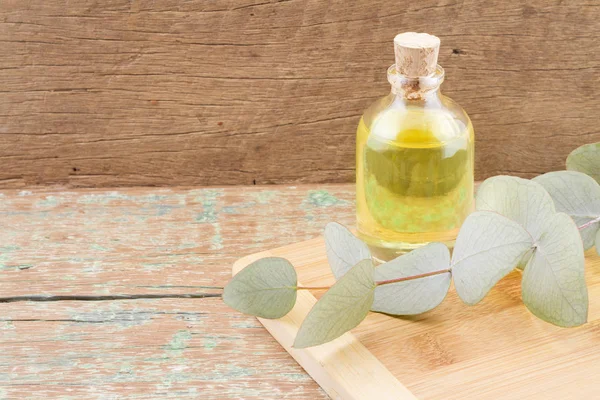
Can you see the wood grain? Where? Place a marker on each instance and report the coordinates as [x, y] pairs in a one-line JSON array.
[[140, 242], [495, 350], [165, 92]]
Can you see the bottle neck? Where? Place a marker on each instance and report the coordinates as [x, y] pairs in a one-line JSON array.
[[424, 88]]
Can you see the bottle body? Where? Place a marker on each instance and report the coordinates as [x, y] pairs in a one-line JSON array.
[[414, 172]]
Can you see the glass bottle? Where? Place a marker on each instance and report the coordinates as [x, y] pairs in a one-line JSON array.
[[414, 157]]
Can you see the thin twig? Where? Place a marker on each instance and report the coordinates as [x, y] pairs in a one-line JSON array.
[[313, 287], [591, 222], [410, 278], [387, 282]]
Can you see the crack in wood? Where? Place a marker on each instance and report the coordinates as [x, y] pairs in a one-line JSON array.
[[44, 298]]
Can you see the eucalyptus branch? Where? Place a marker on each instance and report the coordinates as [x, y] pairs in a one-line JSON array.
[[385, 282], [589, 223], [413, 277], [313, 287]]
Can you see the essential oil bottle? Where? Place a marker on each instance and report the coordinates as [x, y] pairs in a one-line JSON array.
[[414, 157]]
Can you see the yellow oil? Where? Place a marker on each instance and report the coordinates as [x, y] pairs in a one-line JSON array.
[[414, 179]]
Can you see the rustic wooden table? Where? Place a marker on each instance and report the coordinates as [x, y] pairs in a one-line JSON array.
[[67, 256]]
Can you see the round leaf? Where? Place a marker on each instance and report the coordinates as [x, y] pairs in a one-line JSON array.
[[521, 200], [553, 285], [266, 288], [415, 296], [487, 248], [344, 250], [586, 159], [577, 195], [341, 308]]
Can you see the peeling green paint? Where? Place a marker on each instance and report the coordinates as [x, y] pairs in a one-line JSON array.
[[230, 210], [295, 377], [164, 209], [246, 325], [49, 201], [264, 196], [154, 266], [115, 315], [101, 198], [5, 256], [9, 249], [99, 248], [190, 317], [216, 241], [209, 344], [126, 373], [208, 199], [93, 267], [322, 198], [109, 197], [209, 215], [237, 208], [178, 343], [8, 325], [235, 371]]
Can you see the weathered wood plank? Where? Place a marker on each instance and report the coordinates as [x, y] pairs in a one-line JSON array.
[[93, 242], [147, 241], [127, 92], [143, 349]]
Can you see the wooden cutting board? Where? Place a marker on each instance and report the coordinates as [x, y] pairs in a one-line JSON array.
[[494, 350]]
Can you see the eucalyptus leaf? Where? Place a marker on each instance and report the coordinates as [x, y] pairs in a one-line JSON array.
[[553, 286], [521, 200], [577, 195], [586, 159], [341, 308], [414, 296], [266, 288], [344, 250], [487, 248]]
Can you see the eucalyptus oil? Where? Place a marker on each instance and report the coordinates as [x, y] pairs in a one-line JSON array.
[[414, 170]]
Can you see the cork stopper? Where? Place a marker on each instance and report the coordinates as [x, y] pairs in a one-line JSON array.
[[416, 54]]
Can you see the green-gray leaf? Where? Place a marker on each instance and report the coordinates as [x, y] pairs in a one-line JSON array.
[[344, 250], [487, 248], [586, 159], [521, 200], [266, 288], [340, 309], [553, 285], [577, 195], [415, 296]]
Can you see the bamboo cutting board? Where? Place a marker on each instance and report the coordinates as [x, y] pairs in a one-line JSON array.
[[494, 350]]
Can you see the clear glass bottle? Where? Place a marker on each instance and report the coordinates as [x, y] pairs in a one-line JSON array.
[[414, 157]]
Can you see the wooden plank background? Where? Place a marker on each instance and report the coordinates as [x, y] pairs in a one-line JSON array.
[[165, 92], [139, 241]]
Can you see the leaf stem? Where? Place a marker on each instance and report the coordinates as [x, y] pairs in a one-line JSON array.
[[410, 278], [313, 287], [387, 282], [591, 222]]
